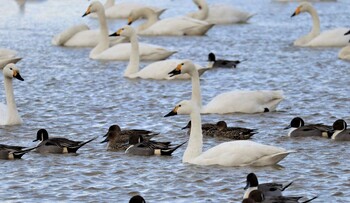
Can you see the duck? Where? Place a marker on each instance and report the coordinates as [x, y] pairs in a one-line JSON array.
[[137, 199], [233, 101], [8, 112], [8, 56], [120, 51], [328, 38], [139, 146], [219, 13], [220, 63], [220, 129], [344, 53], [175, 26], [259, 196], [122, 10], [299, 129], [57, 145], [157, 70], [233, 153], [340, 132], [269, 189], [11, 152], [118, 139]]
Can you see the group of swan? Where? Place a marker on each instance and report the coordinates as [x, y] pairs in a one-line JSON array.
[[219, 14]]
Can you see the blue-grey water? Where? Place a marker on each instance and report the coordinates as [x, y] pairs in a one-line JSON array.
[[73, 96]]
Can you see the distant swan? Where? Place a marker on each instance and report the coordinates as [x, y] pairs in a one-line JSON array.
[[328, 38], [123, 9], [158, 70], [230, 102], [8, 56], [219, 14], [181, 25], [9, 113], [234, 153], [120, 51]]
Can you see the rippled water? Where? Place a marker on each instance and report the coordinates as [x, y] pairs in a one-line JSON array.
[[78, 98]]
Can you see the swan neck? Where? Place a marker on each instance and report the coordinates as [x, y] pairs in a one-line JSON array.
[[134, 61], [151, 18], [196, 87], [109, 3], [195, 143], [315, 22], [204, 11], [103, 42], [10, 98]]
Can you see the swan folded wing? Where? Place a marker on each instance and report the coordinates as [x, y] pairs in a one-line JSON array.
[[64, 36], [7, 53], [344, 53], [3, 113], [331, 38], [224, 14]]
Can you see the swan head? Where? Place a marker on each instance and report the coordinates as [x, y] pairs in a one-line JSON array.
[[296, 122], [185, 67], [93, 7], [303, 7], [11, 71], [184, 107], [340, 124], [41, 135], [126, 31], [136, 14]]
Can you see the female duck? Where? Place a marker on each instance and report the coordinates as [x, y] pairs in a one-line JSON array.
[[234, 153], [9, 113], [158, 70], [329, 38], [181, 25], [230, 102]]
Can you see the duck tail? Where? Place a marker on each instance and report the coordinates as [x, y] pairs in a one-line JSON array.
[[75, 148], [19, 154], [169, 151], [285, 187], [310, 199]]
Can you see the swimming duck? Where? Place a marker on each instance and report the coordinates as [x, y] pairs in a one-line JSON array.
[[57, 145], [269, 189], [299, 129], [220, 129], [219, 63], [340, 131], [138, 146], [11, 152], [259, 196], [137, 199]]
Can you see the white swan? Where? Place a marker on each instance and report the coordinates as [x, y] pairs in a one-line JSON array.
[[8, 113], [219, 14], [8, 56], [344, 53], [120, 51], [328, 38], [234, 153], [230, 102], [158, 70], [122, 10], [181, 25]]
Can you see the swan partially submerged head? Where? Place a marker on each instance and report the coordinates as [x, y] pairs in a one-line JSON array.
[[303, 7], [94, 7], [11, 71]]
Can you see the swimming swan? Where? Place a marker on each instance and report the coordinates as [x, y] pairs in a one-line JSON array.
[[181, 25], [328, 38], [8, 113], [234, 153], [230, 102], [120, 51], [8, 56], [219, 14], [158, 70], [344, 53], [122, 10]]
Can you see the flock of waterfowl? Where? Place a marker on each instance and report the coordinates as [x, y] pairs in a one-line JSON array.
[[124, 45]]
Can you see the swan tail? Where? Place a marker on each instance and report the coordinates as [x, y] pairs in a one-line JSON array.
[[168, 152], [160, 12], [63, 37], [200, 30], [271, 159]]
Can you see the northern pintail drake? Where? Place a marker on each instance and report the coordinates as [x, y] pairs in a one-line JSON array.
[[221, 63], [340, 131], [57, 145], [137, 199], [220, 129], [11, 152], [299, 129], [269, 189], [259, 196], [138, 146]]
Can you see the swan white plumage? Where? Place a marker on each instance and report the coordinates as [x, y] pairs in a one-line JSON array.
[[122, 10], [8, 56], [234, 153], [158, 70], [8, 113], [328, 38], [181, 25], [219, 14], [121, 51], [230, 102], [344, 53]]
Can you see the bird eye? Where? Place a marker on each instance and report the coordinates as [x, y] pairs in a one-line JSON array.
[[180, 105], [182, 64], [10, 68], [122, 28]]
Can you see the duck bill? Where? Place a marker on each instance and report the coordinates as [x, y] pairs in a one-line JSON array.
[[247, 186], [35, 140], [18, 76], [171, 113], [287, 127]]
